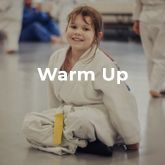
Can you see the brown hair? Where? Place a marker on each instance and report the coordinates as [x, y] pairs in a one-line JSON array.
[[87, 11]]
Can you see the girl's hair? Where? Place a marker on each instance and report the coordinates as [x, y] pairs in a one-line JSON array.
[[96, 19]]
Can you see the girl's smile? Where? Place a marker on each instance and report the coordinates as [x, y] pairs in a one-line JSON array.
[[76, 38]]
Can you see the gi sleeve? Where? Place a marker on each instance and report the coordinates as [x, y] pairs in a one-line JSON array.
[[53, 101], [137, 10], [121, 106]]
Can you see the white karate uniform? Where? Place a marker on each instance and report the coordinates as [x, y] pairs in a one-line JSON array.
[[151, 14], [92, 110], [10, 22]]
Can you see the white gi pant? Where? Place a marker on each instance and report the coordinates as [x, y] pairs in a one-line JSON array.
[[12, 30], [81, 124], [153, 40], [11, 22]]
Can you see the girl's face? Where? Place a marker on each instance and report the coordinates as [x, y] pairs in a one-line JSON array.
[[79, 34]]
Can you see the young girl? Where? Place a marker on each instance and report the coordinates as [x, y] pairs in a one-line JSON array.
[[84, 116]]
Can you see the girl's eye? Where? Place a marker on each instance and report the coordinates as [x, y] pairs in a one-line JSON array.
[[86, 29], [73, 26]]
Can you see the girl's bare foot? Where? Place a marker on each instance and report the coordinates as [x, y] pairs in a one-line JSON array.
[[133, 147], [11, 51], [155, 94]]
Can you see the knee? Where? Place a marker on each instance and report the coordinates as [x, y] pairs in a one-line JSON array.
[[32, 126], [38, 129], [28, 124]]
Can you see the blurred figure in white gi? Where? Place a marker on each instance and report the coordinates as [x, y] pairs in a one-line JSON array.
[[60, 10], [10, 23], [149, 22]]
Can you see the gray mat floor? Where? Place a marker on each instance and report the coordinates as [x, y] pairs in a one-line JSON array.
[[21, 91]]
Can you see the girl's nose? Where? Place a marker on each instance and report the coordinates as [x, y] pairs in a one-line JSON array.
[[77, 32]]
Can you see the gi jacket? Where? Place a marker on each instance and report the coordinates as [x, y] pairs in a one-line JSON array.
[[115, 100]]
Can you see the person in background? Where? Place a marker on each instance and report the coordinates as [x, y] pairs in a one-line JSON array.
[[149, 22], [10, 23], [38, 26], [84, 116], [60, 10]]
